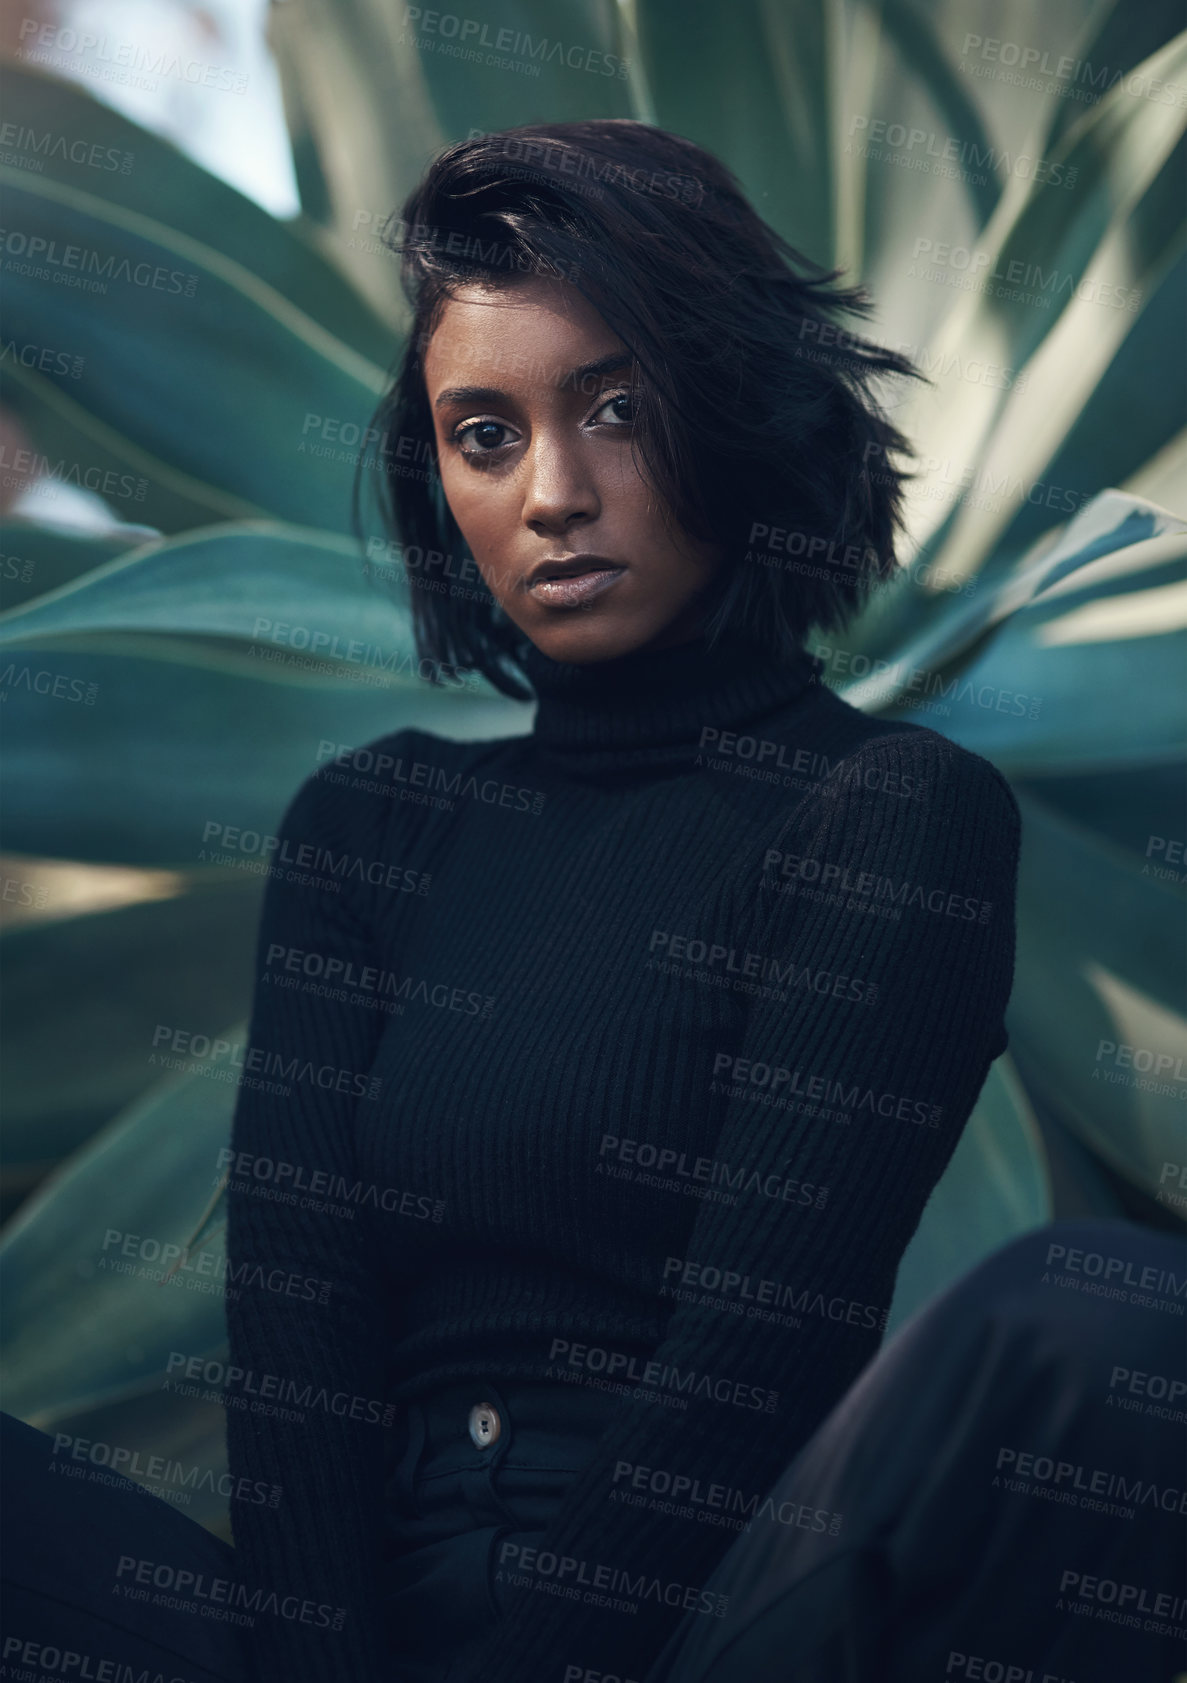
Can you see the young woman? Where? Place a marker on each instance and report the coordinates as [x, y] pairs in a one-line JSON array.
[[600, 1074], [650, 1031]]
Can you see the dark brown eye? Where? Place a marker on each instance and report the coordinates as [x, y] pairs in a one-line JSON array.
[[481, 433], [626, 399]]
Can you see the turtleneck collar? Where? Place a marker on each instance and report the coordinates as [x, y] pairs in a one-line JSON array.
[[651, 706]]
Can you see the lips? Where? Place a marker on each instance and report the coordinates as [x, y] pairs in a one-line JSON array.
[[570, 566], [580, 584], [574, 581]]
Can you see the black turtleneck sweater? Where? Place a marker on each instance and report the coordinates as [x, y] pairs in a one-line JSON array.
[[628, 1050]]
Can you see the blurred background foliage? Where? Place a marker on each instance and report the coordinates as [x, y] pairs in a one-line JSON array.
[[1019, 218]]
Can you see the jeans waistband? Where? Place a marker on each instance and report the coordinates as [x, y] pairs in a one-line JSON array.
[[547, 1433]]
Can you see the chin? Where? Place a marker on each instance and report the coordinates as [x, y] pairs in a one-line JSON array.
[[580, 639]]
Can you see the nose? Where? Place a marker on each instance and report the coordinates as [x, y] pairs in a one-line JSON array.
[[559, 491]]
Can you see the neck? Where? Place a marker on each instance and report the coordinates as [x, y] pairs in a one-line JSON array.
[[660, 703]]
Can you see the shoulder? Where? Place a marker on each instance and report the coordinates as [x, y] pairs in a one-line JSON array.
[[389, 756], [369, 786], [901, 799], [897, 756], [350, 793]]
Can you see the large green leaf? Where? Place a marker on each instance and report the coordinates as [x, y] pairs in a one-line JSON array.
[[374, 90], [106, 986], [1054, 630], [68, 137], [970, 124], [1045, 672], [75, 447], [261, 599], [362, 123], [173, 328], [168, 747], [1136, 808], [788, 58], [38, 559], [540, 58], [1101, 965], [1039, 694], [90, 1316], [1127, 426], [187, 1434], [1116, 39], [1132, 413], [994, 1188], [1057, 278]]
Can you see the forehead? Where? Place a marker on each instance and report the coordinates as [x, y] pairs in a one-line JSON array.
[[534, 332]]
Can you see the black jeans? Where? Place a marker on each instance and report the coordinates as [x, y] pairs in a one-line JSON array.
[[999, 1497], [1010, 1475], [453, 1503]]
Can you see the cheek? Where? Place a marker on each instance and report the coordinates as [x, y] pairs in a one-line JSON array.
[[625, 484], [483, 517], [472, 499]]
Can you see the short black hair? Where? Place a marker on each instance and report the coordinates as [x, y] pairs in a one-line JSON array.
[[754, 415]]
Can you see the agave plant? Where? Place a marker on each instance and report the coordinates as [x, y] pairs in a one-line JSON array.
[[156, 720]]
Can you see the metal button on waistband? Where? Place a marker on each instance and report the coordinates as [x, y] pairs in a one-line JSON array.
[[485, 1425]]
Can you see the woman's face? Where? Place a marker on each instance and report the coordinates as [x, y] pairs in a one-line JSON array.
[[529, 393]]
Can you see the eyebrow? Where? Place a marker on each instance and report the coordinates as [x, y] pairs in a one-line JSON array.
[[493, 394]]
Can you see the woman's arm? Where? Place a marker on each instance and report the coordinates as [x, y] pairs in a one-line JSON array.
[[783, 1303], [308, 1416]]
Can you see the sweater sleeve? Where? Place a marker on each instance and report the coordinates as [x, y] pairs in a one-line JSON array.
[[307, 1414], [891, 1021]]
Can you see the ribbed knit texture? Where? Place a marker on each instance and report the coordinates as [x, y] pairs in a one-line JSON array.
[[502, 958]]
